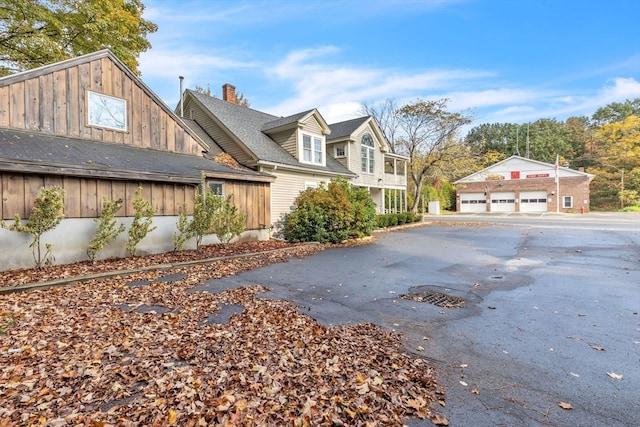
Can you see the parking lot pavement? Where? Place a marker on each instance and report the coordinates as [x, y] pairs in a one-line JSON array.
[[550, 314]]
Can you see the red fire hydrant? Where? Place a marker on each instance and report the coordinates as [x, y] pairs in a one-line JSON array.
[[582, 209]]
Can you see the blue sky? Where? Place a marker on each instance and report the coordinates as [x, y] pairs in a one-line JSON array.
[[498, 61]]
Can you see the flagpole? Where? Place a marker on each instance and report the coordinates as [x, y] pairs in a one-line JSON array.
[[557, 187]]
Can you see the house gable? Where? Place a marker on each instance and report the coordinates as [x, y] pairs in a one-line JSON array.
[[259, 140], [59, 99], [516, 167]]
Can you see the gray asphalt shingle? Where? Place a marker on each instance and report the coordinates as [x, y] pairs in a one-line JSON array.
[[50, 150]]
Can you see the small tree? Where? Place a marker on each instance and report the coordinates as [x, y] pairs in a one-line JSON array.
[[202, 220], [227, 222], [211, 214], [141, 225], [46, 214], [184, 232], [108, 228]]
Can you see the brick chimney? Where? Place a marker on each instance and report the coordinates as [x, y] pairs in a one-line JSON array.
[[229, 93]]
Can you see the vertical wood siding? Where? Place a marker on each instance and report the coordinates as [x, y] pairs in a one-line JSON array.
[[84, 197], [56, 102]]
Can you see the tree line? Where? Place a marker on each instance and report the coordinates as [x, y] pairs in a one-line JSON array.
[[606, 144]]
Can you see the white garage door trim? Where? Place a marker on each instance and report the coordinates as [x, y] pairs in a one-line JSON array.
[[503, 201], [473, 202], [533, 201]]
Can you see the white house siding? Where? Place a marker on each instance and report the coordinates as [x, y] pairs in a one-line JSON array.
[[366, 179], [312, 125], [217, 134], [287, 140], [286, 188]]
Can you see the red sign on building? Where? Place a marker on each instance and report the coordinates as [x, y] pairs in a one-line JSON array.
[[538, 175], [515, 174]]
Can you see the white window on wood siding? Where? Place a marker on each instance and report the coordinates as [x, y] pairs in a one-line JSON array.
[[340, 151], [216, 187], [313, 149], [106, 111], [367, 152]]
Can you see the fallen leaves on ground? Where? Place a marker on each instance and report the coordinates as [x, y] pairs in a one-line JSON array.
[[615, 376], [31, 275], [90, 355], [565, 405]]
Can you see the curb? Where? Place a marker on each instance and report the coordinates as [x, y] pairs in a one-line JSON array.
[[161, 267]]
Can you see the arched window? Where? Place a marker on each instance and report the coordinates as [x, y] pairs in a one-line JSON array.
[[368, 162]]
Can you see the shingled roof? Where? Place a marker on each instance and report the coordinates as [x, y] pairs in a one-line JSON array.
[[36, 152], [248, 126], [346, 128]]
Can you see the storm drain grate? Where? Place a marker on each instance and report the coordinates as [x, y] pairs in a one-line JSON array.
[[436, 298]]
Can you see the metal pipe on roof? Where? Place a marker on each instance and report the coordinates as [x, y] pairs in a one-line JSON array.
[[181, 97]]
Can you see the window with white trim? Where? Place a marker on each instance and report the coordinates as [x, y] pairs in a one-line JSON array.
[[215, 187], [340, 151], [308, 185], [567, 202], [367, 153], [312, 149]]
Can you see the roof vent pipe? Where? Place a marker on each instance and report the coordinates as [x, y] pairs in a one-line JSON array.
[[181, 97]]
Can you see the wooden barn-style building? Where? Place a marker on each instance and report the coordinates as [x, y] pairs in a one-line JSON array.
[[92, 127]]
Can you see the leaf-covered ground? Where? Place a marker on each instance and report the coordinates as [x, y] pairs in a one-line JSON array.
[[147, 349]]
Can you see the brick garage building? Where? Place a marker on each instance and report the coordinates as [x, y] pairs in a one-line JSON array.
[[518, 184]]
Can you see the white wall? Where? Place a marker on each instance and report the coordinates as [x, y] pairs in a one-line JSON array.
[[71, 238]]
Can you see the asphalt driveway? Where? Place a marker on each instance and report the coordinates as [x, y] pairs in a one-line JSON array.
[[549, 314]]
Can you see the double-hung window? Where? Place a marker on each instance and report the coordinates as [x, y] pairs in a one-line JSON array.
[[312, 149], [367, 151]]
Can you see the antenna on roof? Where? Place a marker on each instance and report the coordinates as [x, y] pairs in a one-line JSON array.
[[517, 143]]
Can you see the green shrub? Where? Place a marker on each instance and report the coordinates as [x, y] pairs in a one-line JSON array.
[[184, 232], [381, 220], [45, 215], [211, 214], [142, 220], [108, 229], [330, 214], [393, 219], [227, 222]]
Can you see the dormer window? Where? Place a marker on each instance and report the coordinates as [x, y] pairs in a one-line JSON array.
[[340, 151], [367, 153], [312, 149]]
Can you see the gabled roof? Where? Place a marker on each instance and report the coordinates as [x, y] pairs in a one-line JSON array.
[[345, 131], [214, 149], [347, 128], [521, 164], [105, 53], [294, 120], [246, 126], [37, 152]]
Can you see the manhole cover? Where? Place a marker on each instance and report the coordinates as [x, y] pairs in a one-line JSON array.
[[436, 298]]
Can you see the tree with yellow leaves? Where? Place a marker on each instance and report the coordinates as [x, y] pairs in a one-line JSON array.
[[617, 150], [39, 32]]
